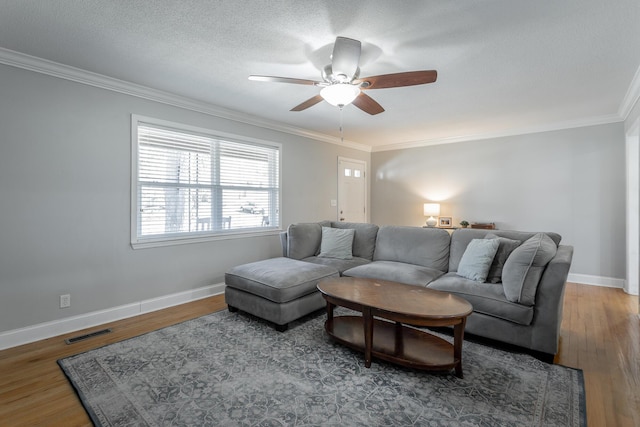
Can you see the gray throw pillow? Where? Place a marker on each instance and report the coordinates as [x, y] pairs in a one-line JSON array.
[[477, 258], [524, 267], [336, 243], [504, 250]]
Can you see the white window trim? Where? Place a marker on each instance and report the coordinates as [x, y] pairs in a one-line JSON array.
[[137, 243]]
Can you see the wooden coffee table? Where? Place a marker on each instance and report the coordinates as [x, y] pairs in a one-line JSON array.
[[401, 304]]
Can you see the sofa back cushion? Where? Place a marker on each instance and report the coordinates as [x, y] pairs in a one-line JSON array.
[[461, 238], [303, 240], [364, 239], [428, 247]]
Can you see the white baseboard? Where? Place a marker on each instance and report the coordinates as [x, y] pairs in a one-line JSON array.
[[54, 328], [585, 279]]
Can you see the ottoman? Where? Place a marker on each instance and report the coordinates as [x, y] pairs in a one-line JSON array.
[[279, 290]]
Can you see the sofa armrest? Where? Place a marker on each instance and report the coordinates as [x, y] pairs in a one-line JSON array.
[[547, 316], [284, 243]]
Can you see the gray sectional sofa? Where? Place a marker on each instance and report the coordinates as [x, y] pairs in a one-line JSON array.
[[517, 299]]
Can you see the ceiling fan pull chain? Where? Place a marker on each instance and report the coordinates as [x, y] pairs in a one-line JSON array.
[[341, 131]]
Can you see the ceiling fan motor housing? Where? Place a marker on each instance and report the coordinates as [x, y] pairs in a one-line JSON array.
[[331, 78]]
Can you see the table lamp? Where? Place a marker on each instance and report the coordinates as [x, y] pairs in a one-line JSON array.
[[432, 210]]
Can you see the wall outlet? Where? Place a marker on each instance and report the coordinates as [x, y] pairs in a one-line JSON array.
[[65, 301]]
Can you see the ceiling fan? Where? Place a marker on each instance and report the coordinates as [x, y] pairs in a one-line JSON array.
[[341, 82]]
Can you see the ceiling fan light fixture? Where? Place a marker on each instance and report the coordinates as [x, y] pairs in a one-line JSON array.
[[340, 94]]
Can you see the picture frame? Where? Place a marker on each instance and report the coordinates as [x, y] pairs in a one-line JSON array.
[[445, 222]]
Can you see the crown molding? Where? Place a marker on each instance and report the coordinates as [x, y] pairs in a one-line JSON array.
[[54, 69], [612, 118], [631, 97]]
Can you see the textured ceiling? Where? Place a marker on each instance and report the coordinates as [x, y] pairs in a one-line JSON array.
[[504, 66]]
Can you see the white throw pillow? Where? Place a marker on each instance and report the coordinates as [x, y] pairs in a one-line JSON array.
[[337, 243], [477, 258]]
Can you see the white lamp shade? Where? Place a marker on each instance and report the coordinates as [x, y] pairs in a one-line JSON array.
[[432, 209], [340, 94]]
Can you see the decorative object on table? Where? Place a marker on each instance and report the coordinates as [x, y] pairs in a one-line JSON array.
[[445, 222], [464, 223], [432, 210], [224, 369], [484, 225]]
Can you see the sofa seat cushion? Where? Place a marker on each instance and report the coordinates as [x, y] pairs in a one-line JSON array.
[[486, 298], [278, 279], [339, 264], [400, 272]]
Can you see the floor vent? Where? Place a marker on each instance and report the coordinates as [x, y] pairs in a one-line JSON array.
[[87, 336]]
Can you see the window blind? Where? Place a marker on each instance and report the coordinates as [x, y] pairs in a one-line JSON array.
[[192, 184]]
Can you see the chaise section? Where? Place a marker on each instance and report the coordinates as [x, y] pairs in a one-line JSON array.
[[279, 290]]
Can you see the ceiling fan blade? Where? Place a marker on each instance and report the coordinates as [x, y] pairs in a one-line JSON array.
[[345, 58], [367, 104], [409, 78], [308, 103], [283, 80]]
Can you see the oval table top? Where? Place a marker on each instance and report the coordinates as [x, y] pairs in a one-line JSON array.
[[410, 300]]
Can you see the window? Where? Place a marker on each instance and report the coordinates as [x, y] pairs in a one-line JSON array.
[[191, 184]]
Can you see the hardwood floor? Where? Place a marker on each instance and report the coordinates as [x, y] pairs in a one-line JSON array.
[[600, 334], [35, 392]]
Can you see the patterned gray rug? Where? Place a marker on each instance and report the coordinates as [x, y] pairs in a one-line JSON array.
[[228, 369]]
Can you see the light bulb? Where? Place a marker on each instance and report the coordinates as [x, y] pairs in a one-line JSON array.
[[340, 94]]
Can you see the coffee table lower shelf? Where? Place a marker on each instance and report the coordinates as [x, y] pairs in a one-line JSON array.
[[395, 343]]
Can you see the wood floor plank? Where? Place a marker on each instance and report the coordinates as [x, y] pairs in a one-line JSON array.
[[600, 334], [35, 392]]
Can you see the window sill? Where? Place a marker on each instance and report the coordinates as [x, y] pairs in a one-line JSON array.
[[231, 235]]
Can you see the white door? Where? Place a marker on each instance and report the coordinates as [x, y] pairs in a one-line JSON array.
[[352, 190]]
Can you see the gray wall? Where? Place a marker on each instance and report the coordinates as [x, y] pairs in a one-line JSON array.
[[570, 181], [65, 201]]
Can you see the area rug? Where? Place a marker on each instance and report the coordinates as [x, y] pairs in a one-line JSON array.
[[230, 369]]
